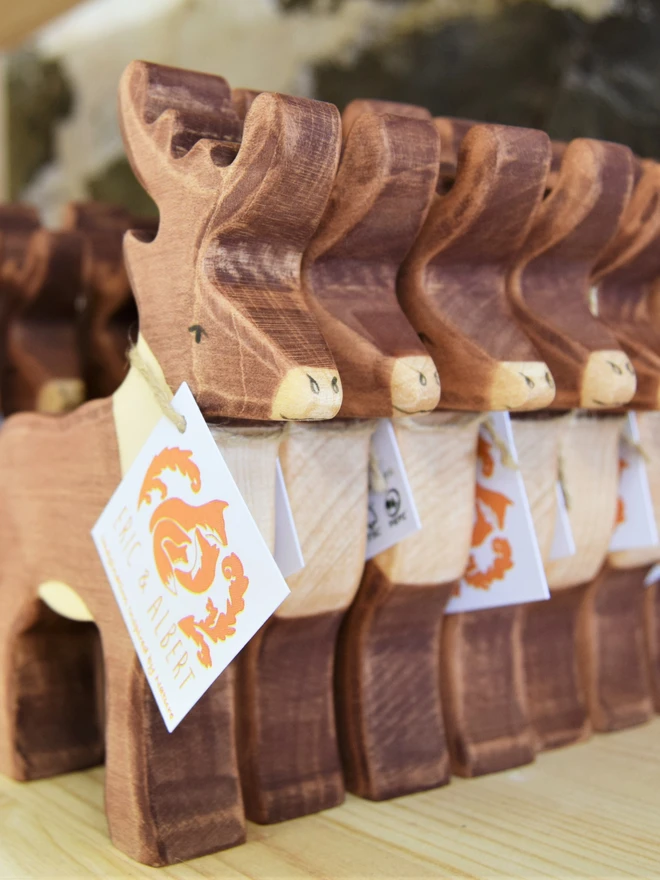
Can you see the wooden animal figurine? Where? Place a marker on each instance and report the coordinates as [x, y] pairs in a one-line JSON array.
[[288, 749], [389, 705], [481, 672], [60, 704], [108, 312], [574, 225], [221, 308], [42, 370], [617, 671]]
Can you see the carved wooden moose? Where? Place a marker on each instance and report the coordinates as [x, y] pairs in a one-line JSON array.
[[379, 200], [221, 307]]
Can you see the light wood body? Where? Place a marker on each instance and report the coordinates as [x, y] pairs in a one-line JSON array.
[[172, 796]]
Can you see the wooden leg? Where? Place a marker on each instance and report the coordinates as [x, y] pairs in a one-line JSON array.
[[555, 689], [652, 630], [287, 738], [170, 796], [58, 694], [483, 691], [387, 688], [618, 681]]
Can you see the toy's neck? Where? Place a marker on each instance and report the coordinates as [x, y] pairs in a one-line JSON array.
[[135, 408]]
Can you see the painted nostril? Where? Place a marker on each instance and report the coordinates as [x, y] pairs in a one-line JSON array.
[[549, 380], [530, 382], [617, 369], [314, 385], [335, 384], [422, 379]]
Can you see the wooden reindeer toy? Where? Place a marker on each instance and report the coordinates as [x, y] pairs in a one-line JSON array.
[[221, 308], [388, 684], [481, 671], [59, 704], [550, 288], [108, 311], [616, 664], [379, 200]]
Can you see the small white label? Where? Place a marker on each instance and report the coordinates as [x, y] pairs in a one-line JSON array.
[[505, 566], [190, 571], [392, 514], [634, 525], [653, 575], [288, 553], [563, 544]]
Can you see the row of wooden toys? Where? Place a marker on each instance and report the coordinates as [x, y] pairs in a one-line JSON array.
[[306, 267]]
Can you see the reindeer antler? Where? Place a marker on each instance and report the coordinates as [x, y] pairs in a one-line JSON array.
[[452, 286]]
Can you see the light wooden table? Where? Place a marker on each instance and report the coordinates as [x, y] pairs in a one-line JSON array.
[[592, 810]]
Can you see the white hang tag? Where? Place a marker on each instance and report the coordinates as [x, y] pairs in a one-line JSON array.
[[505, 566], [635, 522], [392, 514], [191, 573], [288, 553], [653, 575], [563, 544]]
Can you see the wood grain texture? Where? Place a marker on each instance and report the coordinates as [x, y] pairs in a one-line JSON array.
[[388, 699], [108, 313], [452, 285], [623, 278], [549, 286], [558, 633], [483, 662], [381, 195], [588, 811], [617, 672], [652, 640], [233, 227], [287, 733]]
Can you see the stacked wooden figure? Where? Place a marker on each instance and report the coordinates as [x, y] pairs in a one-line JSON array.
[[310, 275]]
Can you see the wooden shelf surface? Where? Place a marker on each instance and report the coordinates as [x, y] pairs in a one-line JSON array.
[[592, 810]]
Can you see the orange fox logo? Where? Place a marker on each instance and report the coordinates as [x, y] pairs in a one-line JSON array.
[[496, 504], [187, 542]]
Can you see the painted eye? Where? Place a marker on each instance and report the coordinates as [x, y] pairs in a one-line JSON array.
[[629, 367], [530, 382], [422, 379], [335, 384], [436, 377], [313, 384], [549, 380], [617, 369]]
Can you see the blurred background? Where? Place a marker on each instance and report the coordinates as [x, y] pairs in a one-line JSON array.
[[571, 67]]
